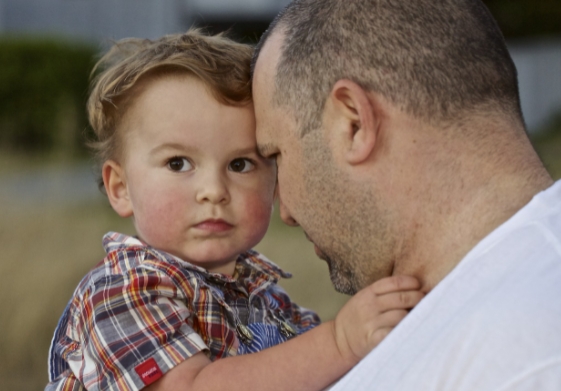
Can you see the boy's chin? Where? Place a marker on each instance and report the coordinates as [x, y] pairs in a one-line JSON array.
[[214, 264]]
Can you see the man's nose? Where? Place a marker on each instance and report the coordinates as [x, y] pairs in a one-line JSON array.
[[286, 216], [213, 188]]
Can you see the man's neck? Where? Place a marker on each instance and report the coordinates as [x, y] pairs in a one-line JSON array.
[[461, 203]]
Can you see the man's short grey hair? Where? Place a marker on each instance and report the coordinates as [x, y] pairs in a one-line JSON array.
[[439, 60]]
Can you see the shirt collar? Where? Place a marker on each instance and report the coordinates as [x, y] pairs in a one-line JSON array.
[[113, 241]]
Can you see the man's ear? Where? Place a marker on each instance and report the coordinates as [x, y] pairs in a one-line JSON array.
[[116, 188], [356, 120]]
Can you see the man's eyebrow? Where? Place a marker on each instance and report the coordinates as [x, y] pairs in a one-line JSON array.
[[265, 150]]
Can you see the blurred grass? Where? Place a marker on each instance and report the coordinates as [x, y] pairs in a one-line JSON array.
[[47, 248], [45, 251]]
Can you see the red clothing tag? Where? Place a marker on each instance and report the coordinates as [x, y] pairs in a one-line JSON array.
[[149, 371]]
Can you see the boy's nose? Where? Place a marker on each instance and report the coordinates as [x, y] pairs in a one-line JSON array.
[[213, 189]]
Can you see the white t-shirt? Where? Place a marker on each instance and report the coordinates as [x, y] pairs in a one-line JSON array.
[[493, 324]]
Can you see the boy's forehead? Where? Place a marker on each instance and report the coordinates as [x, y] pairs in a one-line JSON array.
[[183, 111]]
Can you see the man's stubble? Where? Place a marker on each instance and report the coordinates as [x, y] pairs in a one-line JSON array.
[[346, 221]]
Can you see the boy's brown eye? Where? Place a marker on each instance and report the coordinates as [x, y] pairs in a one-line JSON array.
[[176, 165], [241, 165], [179, 164]]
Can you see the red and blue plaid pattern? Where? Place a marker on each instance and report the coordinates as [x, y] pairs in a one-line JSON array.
[[140, 304]]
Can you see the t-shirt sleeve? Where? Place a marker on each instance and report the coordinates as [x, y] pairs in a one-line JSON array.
[[128, 330]]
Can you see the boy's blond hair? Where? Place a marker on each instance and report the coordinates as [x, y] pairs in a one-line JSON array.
[[220, 63]]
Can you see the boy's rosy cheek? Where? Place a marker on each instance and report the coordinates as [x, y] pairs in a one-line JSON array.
[[259, 210], [159, 218]]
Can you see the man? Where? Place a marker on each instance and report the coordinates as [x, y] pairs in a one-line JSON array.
[[401, 149]]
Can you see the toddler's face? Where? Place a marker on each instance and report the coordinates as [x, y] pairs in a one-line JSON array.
[[197, 187]]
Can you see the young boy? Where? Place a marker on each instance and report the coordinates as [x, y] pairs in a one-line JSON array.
[[175, 135]]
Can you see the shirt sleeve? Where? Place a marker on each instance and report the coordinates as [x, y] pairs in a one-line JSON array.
[[66, 382], [130, 329]]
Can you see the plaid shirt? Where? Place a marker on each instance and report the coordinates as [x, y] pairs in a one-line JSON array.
[[141, 311]]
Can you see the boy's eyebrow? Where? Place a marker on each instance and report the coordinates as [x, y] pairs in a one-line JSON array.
[[163, 147], [244, 151], [186, 148]]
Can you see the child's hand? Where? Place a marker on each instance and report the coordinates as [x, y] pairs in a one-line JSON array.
[[372, 313]]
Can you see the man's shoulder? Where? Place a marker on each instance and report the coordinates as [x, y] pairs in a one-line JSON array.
[[495, 317], [482, 343]]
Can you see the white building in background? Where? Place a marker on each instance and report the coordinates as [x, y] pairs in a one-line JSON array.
[[92, 20], [238, 9], [99, 20], [538, 61]]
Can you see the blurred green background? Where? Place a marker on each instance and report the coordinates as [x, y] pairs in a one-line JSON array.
[[52, 218]]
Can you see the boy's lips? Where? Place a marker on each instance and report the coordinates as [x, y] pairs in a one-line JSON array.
[[214, 225]]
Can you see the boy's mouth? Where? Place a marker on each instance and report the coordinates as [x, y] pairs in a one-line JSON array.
[[214, 225]]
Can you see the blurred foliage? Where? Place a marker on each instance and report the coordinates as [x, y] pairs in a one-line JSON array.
[[523, 18], [43, 90]]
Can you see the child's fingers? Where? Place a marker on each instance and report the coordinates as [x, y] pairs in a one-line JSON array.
[[399, 300], [379, 334], [390, 319], [395, 284]]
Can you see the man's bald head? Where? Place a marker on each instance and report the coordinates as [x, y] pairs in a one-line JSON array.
[[439, 60]]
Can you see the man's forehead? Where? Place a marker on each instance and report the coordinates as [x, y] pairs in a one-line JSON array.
[[264, 78], [268, 58], [268, 115]]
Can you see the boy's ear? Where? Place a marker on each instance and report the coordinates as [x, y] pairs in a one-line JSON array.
[[116, 188], [356, 120]]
